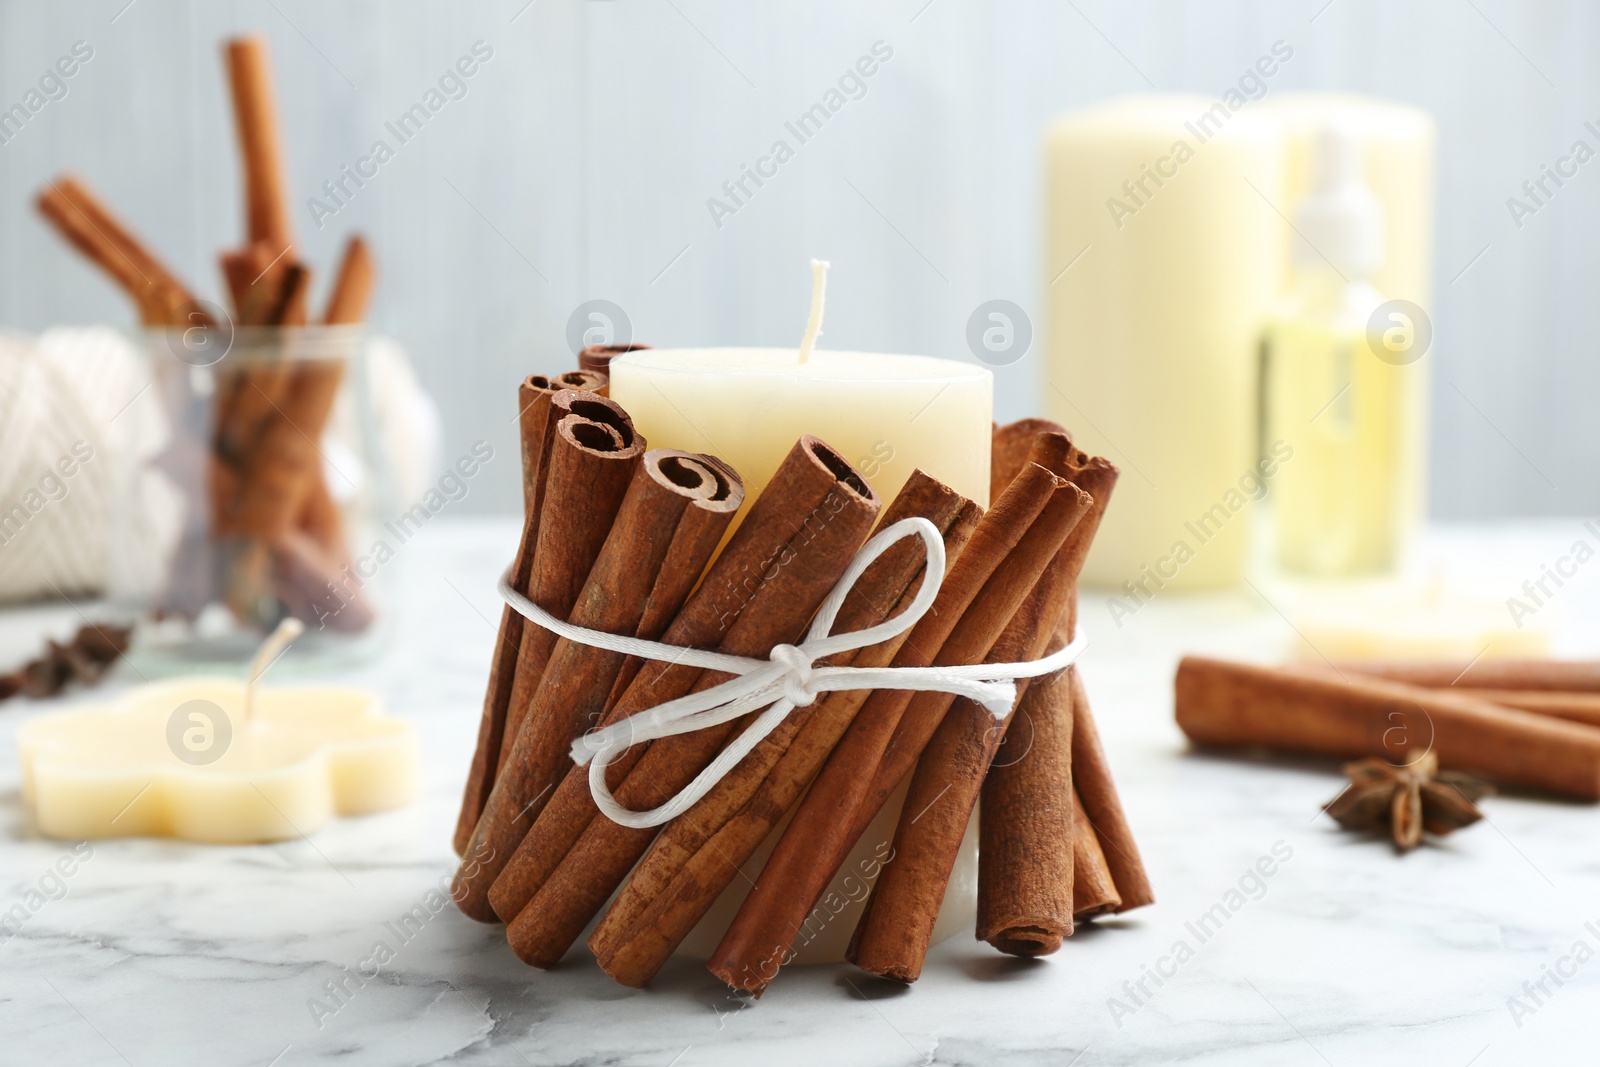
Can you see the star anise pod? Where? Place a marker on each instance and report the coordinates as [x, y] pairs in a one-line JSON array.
[[1408, 799], [90, 653]]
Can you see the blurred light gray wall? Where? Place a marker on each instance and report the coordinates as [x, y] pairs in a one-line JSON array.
[[579, 164]]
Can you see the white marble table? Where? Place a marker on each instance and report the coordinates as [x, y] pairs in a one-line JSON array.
[[169, 953]]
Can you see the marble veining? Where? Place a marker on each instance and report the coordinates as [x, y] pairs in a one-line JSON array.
[[338, 948]]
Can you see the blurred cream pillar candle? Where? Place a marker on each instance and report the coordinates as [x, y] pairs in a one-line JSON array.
[[886, 414], [207, 759], [1163, 250]]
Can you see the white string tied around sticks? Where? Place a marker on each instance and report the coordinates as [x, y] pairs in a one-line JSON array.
[[788, 678]]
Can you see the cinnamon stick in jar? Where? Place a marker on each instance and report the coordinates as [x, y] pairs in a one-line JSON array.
[[696, 855], [671, 519], [540, 412], [1238, 705], [1559, 675], [1010, 547], [777, 568], [90, 227], [260, 142]]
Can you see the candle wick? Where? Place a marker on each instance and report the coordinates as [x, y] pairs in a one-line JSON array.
[[819, 286], [271, 650]]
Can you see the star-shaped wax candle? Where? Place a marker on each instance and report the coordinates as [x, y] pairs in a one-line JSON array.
[[216, 760]]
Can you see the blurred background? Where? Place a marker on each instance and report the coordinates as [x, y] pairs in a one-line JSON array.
[[577, 162]]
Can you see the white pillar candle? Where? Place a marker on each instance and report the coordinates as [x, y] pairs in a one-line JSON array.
[[886, 414], [1162, 259]]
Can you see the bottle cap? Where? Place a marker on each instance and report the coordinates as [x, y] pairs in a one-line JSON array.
[[1340, 220]]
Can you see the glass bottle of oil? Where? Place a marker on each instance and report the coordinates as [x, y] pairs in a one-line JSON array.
[[1343, 504]]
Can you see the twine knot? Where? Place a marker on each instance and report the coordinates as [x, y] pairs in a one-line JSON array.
[[797, 679]]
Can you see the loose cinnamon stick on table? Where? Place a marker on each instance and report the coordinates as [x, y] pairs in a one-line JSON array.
[[1574, 707], [90, 227], [671, 519], [792, 548], [598, 357], [1562, 675], [988, 582], [699, 853], [539, 414], [896, 928], [1238, 705]]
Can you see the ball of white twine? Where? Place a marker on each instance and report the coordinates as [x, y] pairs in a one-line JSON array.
[[788, 678]]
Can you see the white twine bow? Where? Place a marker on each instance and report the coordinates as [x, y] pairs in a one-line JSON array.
[[788, 678]]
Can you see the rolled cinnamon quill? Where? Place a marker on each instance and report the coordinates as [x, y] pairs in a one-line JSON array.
[[90, 227], [1009, 549], [541, 411], [792, 548], [1237, 705], [260, 142], [1101, 807], [1025, 827], [598, 358], [1094, 890], [671, 519], [696, 855], [1558, 675]]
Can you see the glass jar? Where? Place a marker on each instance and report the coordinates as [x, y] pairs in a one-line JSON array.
[[266, 477]]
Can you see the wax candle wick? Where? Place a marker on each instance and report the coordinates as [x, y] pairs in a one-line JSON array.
[[271, 650], [819, 286]]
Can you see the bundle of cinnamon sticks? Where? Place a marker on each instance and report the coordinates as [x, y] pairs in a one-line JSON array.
[[269, 540], [623, 539], [1528, 724]]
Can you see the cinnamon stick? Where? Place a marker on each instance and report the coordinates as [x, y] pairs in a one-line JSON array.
[[1101, 807], [260, 143], [579, 506], [286, 463], [531, 426], [978, 597], [1574, 707], [1561, 675], [1025, 864], [540, 411], [598, 358], [1009, 446], [698, 854], [1237, 705], [671, 519], [352, 285], [791, 549], [896, 928], [1094, 890], [90, 227]]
